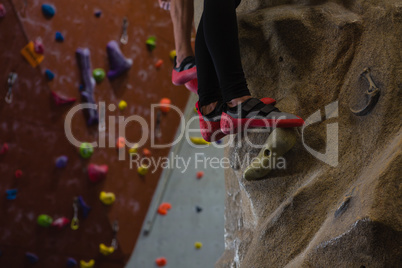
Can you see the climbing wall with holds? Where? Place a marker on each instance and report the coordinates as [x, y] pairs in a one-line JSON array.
[[65, 205]]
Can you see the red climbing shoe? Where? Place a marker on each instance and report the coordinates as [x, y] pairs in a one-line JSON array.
[[192, 85], [210, 124], [254, 113], [186, 72]]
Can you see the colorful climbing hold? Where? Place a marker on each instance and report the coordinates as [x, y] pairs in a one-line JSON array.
[[165, 105], [86, 150], [49, 75], [107, 198], [48, 10], [163, 208], [99, 75], [142, 170], [85, 209], [2, 11], [172, 54], [61, 161], [71, 262], [159, 64], [4, 149], [32, 258], [18, 174], [60, 222], [122, 105], [88, 264], [146, 152], [121, 142], [105, 250], [151, 43], [39, 48], [97, 172], [118, 63], [59, 37], [60, 100], [134, 149], [98, 13], [198, 245], [33, 58], [11, 194], [198, 209], [200, 174], [44, 220], [161, 261]]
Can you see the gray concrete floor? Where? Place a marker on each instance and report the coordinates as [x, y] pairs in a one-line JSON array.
[[173, 236]]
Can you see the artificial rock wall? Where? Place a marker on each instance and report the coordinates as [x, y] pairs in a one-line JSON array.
[[344, 212]]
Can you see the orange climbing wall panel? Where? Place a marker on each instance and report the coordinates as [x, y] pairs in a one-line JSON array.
[[33, 127]]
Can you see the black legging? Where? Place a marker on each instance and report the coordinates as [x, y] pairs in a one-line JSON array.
[[217, 54]]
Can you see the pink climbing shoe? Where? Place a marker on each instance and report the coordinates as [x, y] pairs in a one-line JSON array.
[[186, 72], [254, 113], [192, 85], [210, 125]]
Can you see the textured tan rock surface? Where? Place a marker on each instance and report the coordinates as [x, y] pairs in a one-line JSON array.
[[309, 55]]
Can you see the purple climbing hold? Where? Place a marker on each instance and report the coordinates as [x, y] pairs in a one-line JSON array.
[[71, 262], [2, 11], [48, 10], [118, 63], [32, 258], [85, 208], [61, 161], [59, 37]]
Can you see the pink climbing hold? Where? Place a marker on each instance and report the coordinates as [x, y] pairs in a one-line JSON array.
[[18, 174], [38, 46], [60, 222], [4, 149], [2, 11], [97, 172], [60, 100]]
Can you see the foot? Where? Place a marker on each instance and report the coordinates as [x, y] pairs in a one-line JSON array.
[[186, 72], [254, 113]]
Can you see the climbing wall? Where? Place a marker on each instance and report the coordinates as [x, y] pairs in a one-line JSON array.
[[32, 132]]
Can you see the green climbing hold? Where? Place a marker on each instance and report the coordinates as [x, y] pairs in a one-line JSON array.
[[99, 74], [44, 220], [151, 43], [86, 150], [279, 142]]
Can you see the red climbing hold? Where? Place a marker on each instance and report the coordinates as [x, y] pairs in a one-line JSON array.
[[163, 208], [60, 222], [4, 149], [146, 152], [200, 174], [161, 261], [59, 100], [97, 172], [39, 48], [2, 11], [158, 64], [18, 173]]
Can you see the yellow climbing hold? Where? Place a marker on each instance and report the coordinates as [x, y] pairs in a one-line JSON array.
[[143, 170], [107, 198], [199, 141], [134, 149], [122, 105], [172, 54], [89, 264], [105, 250], [198, 245]]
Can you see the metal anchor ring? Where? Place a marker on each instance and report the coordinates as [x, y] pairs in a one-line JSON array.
[[373, 94]]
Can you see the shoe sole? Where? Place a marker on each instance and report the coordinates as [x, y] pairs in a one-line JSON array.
[[180, 78]]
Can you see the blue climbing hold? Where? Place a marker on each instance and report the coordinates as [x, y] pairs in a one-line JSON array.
[[71, 262], [49, 75], [59, 37], [198, 209], [98, 13], [48, 10], [11, 194], [32, 258], [61, 161], [84, 206]]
